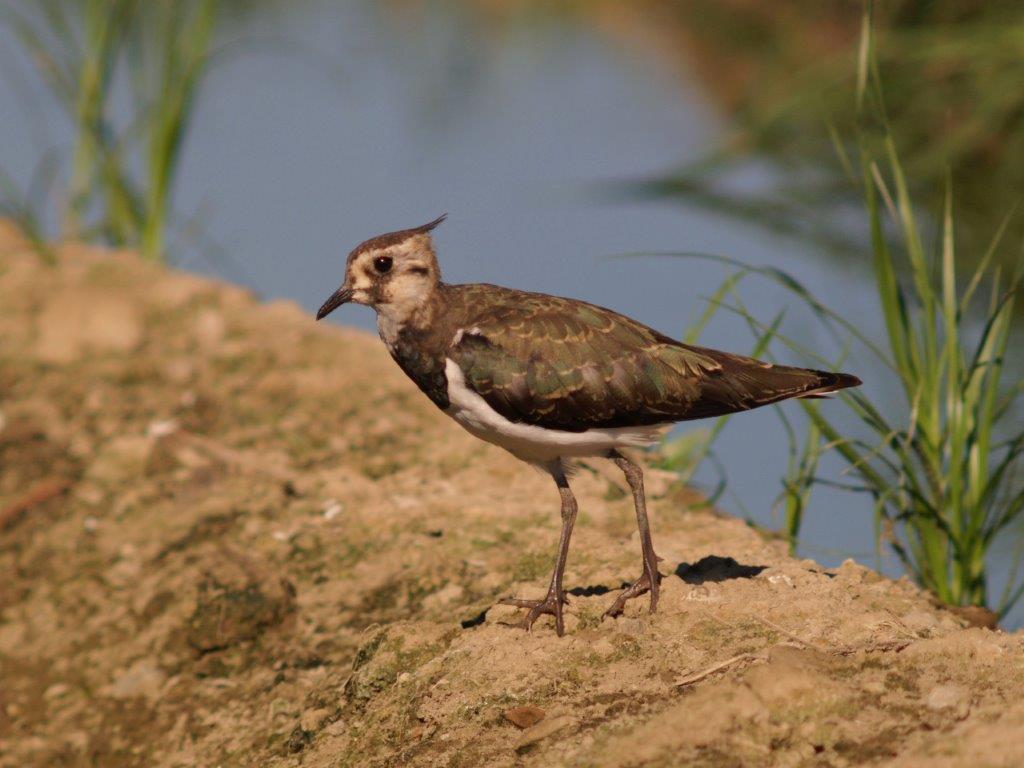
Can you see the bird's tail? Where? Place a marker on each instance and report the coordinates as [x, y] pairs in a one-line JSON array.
[[742, 383], [830, 384]]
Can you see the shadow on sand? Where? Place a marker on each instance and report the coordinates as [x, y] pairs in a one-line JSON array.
[[715, 568]]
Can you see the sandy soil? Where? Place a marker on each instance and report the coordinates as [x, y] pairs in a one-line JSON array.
[[231, 536]]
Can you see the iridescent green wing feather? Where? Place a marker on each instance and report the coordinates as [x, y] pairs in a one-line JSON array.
[[569, 365], [565, 364]]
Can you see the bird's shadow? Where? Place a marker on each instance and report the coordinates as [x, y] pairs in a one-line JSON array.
[[710, 568], [715, 568]]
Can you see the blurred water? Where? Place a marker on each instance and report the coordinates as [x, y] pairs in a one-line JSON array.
[[323, 124]]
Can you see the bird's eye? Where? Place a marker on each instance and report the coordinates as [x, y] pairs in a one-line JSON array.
[[382, 264]]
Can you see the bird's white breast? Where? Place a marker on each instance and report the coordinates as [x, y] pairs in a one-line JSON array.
[[530, 442]]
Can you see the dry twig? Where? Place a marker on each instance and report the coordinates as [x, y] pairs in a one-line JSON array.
[[43, 491], [743, 658]]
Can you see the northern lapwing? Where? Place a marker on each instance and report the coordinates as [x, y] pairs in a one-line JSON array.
[[552, 379]]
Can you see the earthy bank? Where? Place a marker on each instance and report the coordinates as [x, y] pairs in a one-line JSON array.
[[231, 536]]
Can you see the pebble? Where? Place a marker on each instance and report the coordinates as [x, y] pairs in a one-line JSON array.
[[179, 371], [312, 720], [120, 460], [949, 697], [210, 328], [920, 622], [525, 716], [445, 596], [56, 691], [604, 648], [876, 687], [852, 572], [543, 729], [703, 593], [162, 428], [143, 678]]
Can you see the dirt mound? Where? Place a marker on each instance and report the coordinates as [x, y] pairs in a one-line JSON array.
[[231, 536]]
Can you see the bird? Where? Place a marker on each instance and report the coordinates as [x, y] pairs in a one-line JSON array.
[[553, 380]]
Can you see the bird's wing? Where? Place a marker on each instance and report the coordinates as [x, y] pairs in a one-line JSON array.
[[565, 364], [569, 365]]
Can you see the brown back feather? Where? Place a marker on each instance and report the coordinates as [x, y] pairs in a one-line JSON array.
[[565, 364]]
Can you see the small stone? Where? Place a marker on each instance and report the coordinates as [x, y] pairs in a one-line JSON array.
[[703, 593], [525, 716], [77, 740], [949, 697], [542, 730], [492, 581], [179, 370], [336, 728], [125, 572], [604, 648], [875, 687], [280, 708], [444, 597], [162, 428], [312, 720], [88, 493], [121, 459], [920, 622], [56, 691], [852, 572], [297, 740], [210, 328], [143, 678]]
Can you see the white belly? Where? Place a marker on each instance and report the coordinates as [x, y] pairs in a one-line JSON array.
[[534, 444]]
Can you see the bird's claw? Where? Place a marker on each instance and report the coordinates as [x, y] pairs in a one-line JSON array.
[[644, 584], [550, 605]]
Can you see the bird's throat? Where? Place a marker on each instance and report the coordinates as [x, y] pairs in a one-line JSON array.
[[411, 311]]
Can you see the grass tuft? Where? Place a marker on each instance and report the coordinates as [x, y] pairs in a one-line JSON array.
[[944, 466], [121, 180]]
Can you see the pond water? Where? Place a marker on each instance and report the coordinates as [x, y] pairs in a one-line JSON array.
[[325, 123]]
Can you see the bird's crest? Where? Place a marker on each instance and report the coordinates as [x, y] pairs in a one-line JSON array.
[[394, 238]]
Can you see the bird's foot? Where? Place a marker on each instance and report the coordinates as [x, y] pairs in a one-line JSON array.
[[550, 605], [646, 583]]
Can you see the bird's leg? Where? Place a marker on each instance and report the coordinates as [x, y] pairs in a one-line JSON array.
[[650, 579], [555, 599]]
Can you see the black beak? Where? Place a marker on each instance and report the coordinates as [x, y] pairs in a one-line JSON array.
[[336, 299]]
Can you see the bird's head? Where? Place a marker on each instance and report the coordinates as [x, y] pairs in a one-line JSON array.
[[396, 271]]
